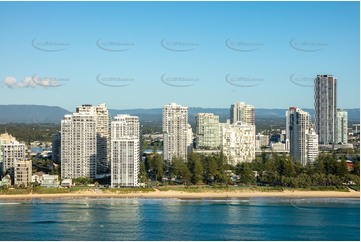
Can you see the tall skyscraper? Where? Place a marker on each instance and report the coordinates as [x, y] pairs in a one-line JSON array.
[[242, 112], [325, 108], [208, 132], [11, 151], [125, 151], [101, 115], [175, 131], [341, 134], [300, 136], [78, 145], [238, 142], [84, 139]]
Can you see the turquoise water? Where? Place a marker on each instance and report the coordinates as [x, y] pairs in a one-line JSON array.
[[175, 219]]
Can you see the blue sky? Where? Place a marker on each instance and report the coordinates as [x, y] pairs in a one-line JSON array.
[[147, 54]]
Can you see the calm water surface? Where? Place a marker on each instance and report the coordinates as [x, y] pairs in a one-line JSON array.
[[175, 219]]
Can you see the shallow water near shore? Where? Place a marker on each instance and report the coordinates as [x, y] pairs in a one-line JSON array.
[[181, 219]]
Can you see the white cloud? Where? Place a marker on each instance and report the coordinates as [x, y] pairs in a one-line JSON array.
[[33, 82]]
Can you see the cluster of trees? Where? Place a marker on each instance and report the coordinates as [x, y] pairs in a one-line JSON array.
[[326, 171], [31, 132], [272, 171], [198, 169], [82, 181]]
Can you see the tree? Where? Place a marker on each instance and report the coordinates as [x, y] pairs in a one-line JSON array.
[[154, 165], [354, 179], [180, 170], [157, 165], [319, 166], [197, 177], [222, 166], [143, 177], [333, 180], [211, 170], [342, 170], [196, 168], [356, 168], [82, 180], [285, 166], [330, 164], [270, 175], [185, 174], [246, 174], [175, 167], [319, 179], [304, 180]]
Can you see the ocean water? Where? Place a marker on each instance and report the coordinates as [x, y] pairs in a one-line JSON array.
[[176, 219]]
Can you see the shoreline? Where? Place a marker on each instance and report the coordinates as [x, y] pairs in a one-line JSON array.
[[186, 195]]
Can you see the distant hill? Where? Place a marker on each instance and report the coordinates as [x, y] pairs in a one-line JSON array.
[[261, 113], [53, 114], [31, 114]]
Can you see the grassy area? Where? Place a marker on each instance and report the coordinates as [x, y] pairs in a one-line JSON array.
[[356, 188], [14, 191], [44, 190], [190, 189], [80, 188], [249, 188], [320, 188], [219, 189], [127, 190], [330, 188]]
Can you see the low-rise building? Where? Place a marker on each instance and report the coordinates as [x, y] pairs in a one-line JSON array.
[[278, 146], [67, 183], [22, 173], [6, 181], [261, 141], [50, 181]]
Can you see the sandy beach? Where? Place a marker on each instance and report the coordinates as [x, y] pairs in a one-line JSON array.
[[94, 193]]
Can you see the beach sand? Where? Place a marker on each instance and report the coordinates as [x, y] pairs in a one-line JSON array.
[[94, 193]]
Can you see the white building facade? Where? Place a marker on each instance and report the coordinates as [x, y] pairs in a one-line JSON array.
[[84, 142], [125, 151], [79, 144], [300, 136], [312, 146], [238, 142], [11, 151], [103, 139], [175, 132]]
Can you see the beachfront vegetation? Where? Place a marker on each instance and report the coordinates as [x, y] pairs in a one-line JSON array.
[[327, 173]]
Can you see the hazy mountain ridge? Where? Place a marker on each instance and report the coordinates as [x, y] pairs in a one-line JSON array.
[[53, 114], [31, 114]]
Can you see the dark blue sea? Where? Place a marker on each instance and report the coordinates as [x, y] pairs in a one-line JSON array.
[[175, 219]]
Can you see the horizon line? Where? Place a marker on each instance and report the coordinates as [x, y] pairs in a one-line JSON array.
[[158, 107]]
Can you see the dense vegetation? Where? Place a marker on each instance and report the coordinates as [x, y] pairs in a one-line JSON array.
[[273, 171], [30, 132]]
